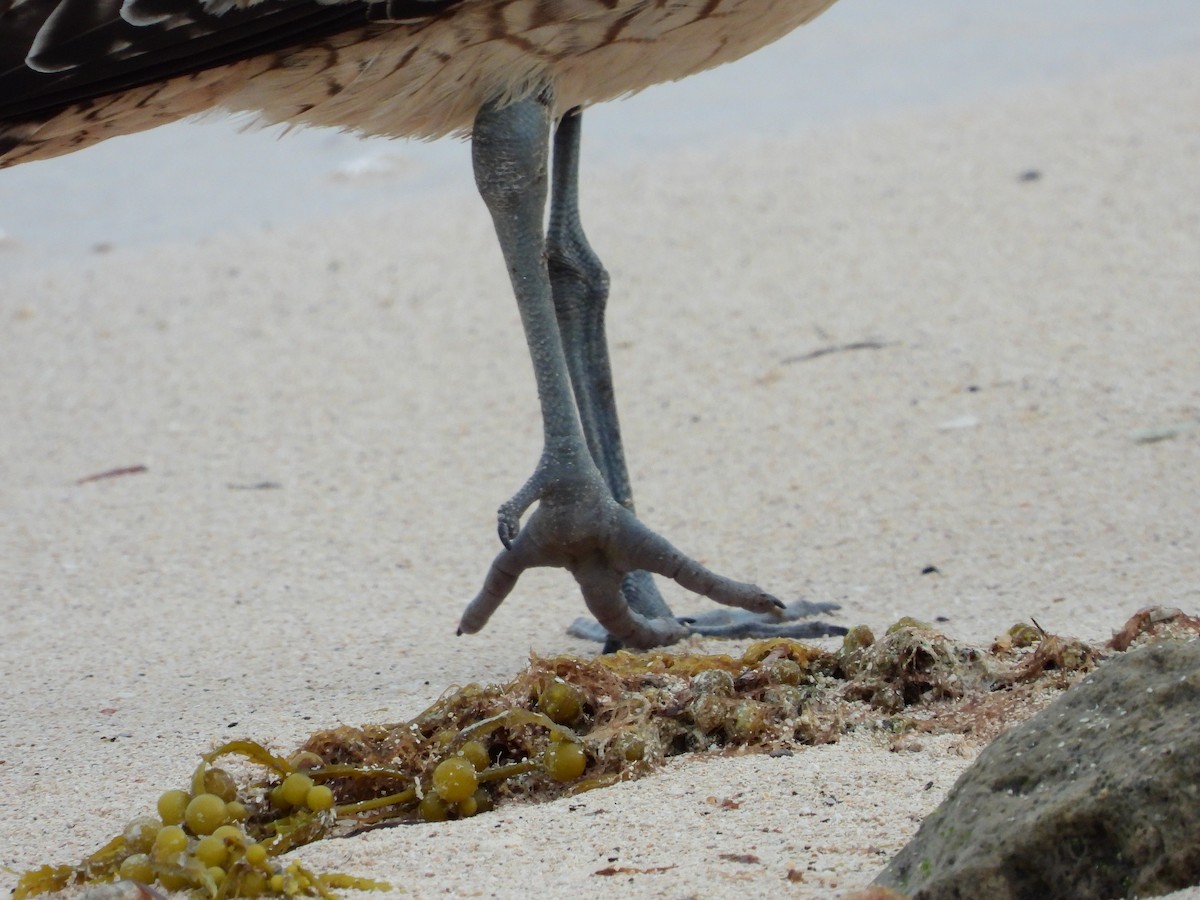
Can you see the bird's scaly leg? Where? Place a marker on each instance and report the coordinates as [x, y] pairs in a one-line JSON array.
[[579, 285], [577, 524]]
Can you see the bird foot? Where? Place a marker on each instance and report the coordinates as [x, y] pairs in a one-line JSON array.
[[579, 527], [725, 623]]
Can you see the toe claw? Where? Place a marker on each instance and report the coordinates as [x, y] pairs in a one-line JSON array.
[[508, 527]]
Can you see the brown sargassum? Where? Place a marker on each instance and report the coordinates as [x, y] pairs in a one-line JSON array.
[[629, 712]]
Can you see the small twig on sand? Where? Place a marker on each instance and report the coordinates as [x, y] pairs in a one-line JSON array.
[[113, 473], [836, 348], [632, 870]]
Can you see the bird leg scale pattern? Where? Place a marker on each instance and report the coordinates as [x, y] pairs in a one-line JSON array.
[[577, 524]]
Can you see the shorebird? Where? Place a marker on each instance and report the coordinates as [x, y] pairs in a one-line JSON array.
[[506, 73]]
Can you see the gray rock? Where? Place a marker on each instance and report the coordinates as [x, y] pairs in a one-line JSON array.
[[1097, 796]]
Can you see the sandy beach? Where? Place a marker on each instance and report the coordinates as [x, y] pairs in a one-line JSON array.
[[329, 414]]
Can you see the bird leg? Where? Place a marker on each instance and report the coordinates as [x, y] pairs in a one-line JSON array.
[[577, 524], [579, 285]]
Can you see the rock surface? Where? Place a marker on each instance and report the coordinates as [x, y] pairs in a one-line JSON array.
[[1096, 796]]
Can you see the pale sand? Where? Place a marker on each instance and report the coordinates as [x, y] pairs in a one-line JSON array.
[[375, 370]]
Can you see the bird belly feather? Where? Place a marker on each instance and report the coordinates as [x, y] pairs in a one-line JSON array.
[[428, 78]]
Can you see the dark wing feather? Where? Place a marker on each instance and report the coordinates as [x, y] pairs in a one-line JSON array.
[[54, 53]]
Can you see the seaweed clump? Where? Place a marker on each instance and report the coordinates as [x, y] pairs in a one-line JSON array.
[[911, 663], [562, 726], [623, 714]]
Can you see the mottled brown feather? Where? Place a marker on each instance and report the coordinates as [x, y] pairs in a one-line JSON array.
[[424, 76]]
